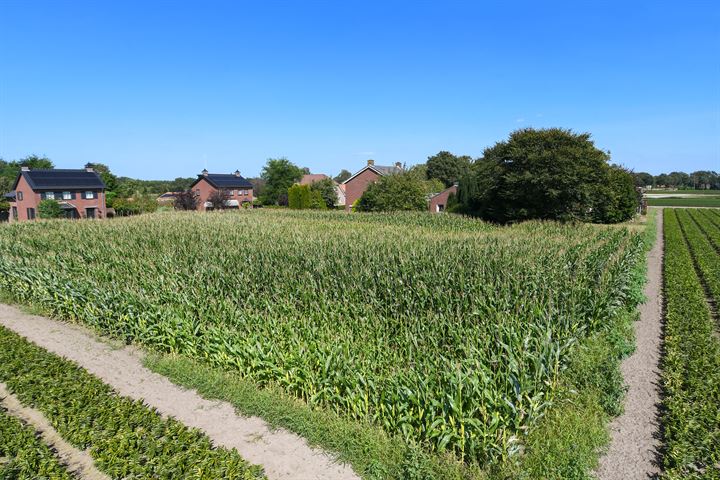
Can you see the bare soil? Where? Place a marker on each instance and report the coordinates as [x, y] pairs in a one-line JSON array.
[[75, 461], [635, 434], [282, 454]]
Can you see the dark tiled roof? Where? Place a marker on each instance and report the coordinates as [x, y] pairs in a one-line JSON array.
[[224, 180], [10, 195], [53, 179], [386, 170]]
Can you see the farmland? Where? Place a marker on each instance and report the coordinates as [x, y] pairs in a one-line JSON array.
[[125, 438], [446, 332], [685, 201], [691, 367]]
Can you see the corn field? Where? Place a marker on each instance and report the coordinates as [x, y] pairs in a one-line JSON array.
[[446, 331]]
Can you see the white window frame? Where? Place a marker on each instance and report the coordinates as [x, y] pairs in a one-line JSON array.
[[89, 195], [19, 196], [49, 195], [67, 195]]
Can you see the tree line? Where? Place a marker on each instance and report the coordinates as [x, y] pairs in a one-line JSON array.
[[699, 180]]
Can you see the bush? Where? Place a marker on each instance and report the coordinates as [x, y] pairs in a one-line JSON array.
[[301, 197], [49, 209], [135, 206], [186, 200], [402, 191], [326, 189], [549, 174]]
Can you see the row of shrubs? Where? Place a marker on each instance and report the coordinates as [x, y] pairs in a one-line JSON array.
[[126, 438]]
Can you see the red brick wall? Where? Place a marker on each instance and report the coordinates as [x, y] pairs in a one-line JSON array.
[[441, 199], [32, 199], [203, 189], [357, 186]]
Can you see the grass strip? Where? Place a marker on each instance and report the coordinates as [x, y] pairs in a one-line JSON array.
[[691, 367], [125, 438], [23, 455]]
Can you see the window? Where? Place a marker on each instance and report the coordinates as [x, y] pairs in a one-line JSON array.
[[67, 196], [31, 213], [232, 193], [19, 196], [14, 213], [89, 195], [49, 196]]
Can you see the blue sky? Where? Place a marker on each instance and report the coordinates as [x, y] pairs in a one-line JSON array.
[[159, 89]]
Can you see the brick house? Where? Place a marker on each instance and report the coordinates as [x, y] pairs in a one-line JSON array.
[[437, 203], [239, 189], [80, 193], [356, 185]]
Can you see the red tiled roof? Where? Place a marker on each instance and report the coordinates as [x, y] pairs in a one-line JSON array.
[[312, 178]]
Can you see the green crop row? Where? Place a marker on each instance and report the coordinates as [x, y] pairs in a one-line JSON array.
[[449, 332], [706, 257], [691, 365], [23, 455], [710, 223], [125, 438]]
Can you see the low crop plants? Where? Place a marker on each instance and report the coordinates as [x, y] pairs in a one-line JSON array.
[[23, 455], [125, 438], [691, 364], [447, 332]]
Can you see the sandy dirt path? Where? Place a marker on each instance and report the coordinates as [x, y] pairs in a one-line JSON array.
[[635, 433], [75, 461], [282, 454]]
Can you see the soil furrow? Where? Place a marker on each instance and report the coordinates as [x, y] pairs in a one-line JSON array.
[[634, 444]]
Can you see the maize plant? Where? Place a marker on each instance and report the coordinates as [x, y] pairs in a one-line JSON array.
[[447, 331]]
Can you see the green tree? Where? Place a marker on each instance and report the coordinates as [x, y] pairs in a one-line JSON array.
[[538, 174], [643, 179], [326, 189], [49, 209], [298, 197], [342, 176], [108, 178], [302, 197], [448, 168], [279, 175], [35, 162], [401, 191], [618, 197]]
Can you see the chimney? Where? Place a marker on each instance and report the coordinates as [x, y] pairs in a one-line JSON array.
[[24, 169], [204, 172], [398, 165], [371, 162], [237, 173], [89, 167]]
